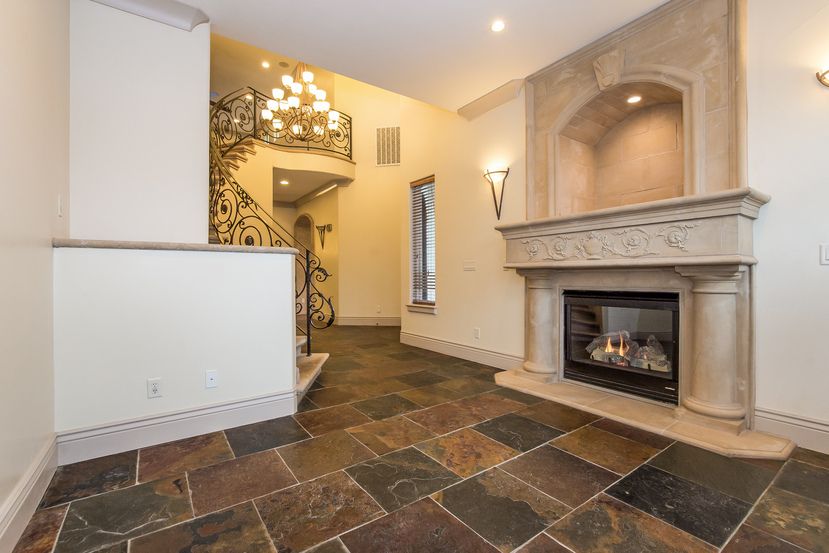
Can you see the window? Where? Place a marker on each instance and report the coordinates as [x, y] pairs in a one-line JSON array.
[[423, 241]]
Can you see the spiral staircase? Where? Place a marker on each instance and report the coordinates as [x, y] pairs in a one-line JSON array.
[[236, 129]]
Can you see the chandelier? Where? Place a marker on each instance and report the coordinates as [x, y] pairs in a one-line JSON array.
[[299, 110]]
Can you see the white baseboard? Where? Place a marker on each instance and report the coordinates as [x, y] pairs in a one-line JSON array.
[[368, 321], [804, 431], [479, 355], [88, 443], [23, 500]]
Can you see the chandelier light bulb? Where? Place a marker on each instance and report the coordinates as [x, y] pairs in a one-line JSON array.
[[312, 88], [293, 101], [273, 105], [324, 106], [332, 125], [296, 88], [317, 106], [278, 124], [308, 76], [287, 80], [283, 105], [333, 116], [295, 129], [320, 94], [317, 129], [278, 93], [267, 114]]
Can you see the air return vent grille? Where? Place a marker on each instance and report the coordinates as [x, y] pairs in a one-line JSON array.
[[388, 146]]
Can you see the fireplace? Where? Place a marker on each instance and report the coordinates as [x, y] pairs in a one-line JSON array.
[[624, 341]]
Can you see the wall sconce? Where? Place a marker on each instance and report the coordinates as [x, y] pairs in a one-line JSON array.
[[823, 77], [497, 180], [322, 229]]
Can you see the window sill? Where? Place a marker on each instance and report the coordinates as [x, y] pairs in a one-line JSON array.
[[422, 308]]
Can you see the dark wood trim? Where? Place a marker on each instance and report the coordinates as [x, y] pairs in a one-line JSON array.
[[421, 182]]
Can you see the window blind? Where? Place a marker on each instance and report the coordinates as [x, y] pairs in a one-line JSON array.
[[423, 240]]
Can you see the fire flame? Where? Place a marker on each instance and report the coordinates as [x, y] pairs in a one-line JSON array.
[[623, 348]]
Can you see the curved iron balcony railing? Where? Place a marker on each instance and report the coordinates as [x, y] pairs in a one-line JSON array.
[[238, 219], [238, 117]]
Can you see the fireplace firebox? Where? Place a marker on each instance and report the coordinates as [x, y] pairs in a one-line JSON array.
[[624, 341]]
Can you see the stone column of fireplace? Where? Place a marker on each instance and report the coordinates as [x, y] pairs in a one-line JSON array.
[[713, 385], [542, 326]]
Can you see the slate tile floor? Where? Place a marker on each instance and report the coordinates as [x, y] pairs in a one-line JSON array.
[[397, 449]]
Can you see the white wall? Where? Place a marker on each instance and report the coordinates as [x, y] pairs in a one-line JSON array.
[[788, 137], [34, 36], [123, 316], [139, 101], [370, 209], [458, 152]]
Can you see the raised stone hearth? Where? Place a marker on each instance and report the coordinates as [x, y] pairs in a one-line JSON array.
[[699, 247]]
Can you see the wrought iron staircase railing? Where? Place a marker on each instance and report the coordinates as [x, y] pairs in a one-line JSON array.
[[235, 216]]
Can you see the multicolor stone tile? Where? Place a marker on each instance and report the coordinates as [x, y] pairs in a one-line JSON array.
[[730, 476], [515, 395], [390, 435], [306, 405], [234, 530], [41, 533], [558, 416], [812, 457], [607, 450], [387, 406], [751, 540], [703, 512], [92, 477], [421, 378], [468, 386], [632, 433], [502, 509], [260, 436], [563, 476], [230, 482], [324, 454], [336, 395], [804, 479], [444, 418], [308, 514], [333, 418], [333, 546], [466, 452], [420, 527], [454, 370], [793, 518], [605, 524], [429, 396], [109, 519], [543, 544], [487, 406], [170, 459], [402, 477], [517, 432]]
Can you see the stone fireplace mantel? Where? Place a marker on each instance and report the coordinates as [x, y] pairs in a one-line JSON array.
[[697, 246]]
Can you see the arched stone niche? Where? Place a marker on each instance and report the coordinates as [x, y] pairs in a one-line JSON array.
[[686, 52]]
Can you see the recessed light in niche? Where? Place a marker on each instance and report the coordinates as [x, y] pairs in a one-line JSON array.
[[497, 26], [284, 183], [635, 99]]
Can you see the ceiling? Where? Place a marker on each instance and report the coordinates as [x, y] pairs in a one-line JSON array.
[[234, 64], [300, 183], [438, 51]]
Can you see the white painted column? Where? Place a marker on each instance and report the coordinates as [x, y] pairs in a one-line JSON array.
[[713, 373], [541, 326]]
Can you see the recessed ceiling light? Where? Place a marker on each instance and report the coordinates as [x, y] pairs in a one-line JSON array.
[[634, 99], [266, 64], [284, 182], [283, 64], [497, 26]]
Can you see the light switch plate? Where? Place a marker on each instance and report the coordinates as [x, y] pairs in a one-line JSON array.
[[824, 254]]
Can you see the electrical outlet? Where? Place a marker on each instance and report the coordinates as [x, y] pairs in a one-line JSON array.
[[470, 265], [153, 388], [378, 309], [211, 379], [476, 333]]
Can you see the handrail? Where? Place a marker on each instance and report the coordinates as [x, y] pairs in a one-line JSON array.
[[238, 219]]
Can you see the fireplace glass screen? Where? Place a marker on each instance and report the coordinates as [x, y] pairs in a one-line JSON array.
[[625, 341]]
